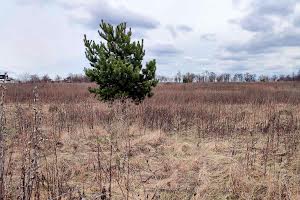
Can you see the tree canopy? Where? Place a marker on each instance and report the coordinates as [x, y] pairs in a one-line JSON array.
[[116, 65]]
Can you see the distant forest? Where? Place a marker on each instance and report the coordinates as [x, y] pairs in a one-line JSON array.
[[178, 78], [227, 77]]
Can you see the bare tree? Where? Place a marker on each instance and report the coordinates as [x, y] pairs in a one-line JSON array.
[[35, 78], [58, 78], [178, 77], [263, 78], [199, 78], [238, 77], [212, 77], [46, 78], [24, 77], [249, 77], [162, 78], [274, 78], [188, 78]]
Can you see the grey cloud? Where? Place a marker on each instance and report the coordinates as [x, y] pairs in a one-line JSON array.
[[276, 67], [165, 50], [274, 7], [256, 23], [259, 17], [268, 42], [296, 20], [296, 57], [184, 28], [28, 2], [235, 57], [172, 30], [101, 10], [164, 61], [236, 2], [209, 37], [233, 21], [114, 15], [202, 61], [175, 30], [238, 68]]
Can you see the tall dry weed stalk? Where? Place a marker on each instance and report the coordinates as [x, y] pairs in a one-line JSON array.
[[2, 143]]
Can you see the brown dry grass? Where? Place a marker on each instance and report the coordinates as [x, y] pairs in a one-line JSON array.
[[193, 141]]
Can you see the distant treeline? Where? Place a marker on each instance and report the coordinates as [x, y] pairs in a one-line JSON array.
[[34, 78], [178, 78], [227, 77]]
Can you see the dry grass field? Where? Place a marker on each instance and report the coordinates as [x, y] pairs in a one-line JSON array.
[[189, 141]]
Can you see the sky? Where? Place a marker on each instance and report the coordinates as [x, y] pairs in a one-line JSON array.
[[235, 36]]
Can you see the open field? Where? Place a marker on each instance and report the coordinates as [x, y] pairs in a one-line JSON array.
[[189, 141]]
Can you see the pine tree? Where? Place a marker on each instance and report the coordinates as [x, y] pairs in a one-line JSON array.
[[116, 65]]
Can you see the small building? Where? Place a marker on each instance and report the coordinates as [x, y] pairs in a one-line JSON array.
[[5, 79]]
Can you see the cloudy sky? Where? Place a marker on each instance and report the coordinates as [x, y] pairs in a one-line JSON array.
[[259, 36]]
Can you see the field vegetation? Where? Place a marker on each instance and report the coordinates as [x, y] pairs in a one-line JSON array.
[[189, 141]]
